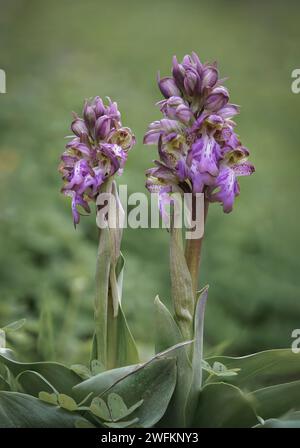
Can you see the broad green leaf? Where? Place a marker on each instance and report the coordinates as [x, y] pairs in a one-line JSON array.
[[67, 402], [97, 367], [33, 383], [59, 376], [7, 353], [23, 411], [218, 369], [124, 424], [83, 424], [102, 382], [132, 408], [11, 380], [4, 385], [291, 420], [222, 405], [14, 326], [153, 382], [48, 398], [116, 406], [261, 369], [81, 371], [99, 408], [168, 335], [274, 401]]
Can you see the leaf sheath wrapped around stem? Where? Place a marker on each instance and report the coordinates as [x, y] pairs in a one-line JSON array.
[[113, 344]]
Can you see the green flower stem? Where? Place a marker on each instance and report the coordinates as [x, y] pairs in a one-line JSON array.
[[102, 306], [101, 299], [181, 285], [113, 344], [193, 252]]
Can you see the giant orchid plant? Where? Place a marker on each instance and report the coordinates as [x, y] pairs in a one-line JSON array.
[[198, 152]]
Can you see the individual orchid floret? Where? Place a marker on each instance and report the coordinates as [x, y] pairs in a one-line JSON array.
[[98, 150], [199, 150]]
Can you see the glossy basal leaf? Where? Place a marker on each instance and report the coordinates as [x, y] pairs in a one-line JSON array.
[[167, 335], [14, 326], [67, 402], [291, 420], [7, 353], [23, 411], [153, 382], [125, 424], [59, 376], [102, 381], [84, 424], [222, 405], [116, 406], [81, 371], [274, 401], [99, 408], [33, 383], [3, 384], [51, 398], [261, 369]]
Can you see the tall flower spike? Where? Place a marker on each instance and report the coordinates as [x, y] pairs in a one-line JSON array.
[[198, 148], [97, 152]]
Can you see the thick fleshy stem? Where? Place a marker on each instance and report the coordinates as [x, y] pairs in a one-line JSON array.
[[193, 250], [102, 288], [113, 345]]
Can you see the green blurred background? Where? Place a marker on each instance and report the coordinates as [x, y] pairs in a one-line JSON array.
[[57, 53]]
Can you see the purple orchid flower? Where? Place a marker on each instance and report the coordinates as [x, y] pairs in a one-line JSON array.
[[98, 151], [198, 148]]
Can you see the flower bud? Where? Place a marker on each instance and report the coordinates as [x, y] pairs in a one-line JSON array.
[[168, 87], [99, 107], [89, 116], [217, 99], [178, 73], [102, 127], [79, 128], [191, 81], [209, 77], [184, 113]]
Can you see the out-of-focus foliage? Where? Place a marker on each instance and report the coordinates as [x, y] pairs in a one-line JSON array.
[[57, 53]]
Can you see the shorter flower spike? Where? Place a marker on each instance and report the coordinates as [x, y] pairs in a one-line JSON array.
[[98, 150]]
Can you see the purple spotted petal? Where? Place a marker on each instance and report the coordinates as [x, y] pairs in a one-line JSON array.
[[168, 87], [206, 152], [217, 99], [78, 126]]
